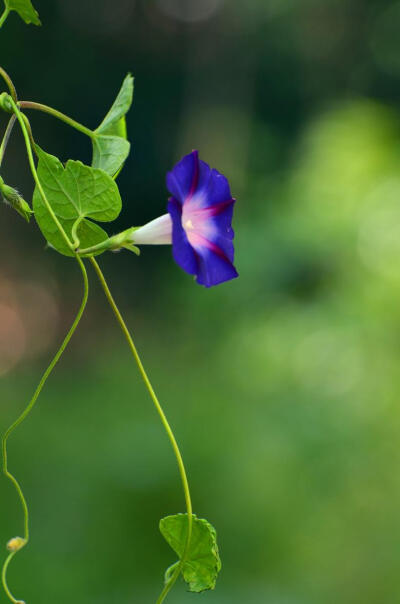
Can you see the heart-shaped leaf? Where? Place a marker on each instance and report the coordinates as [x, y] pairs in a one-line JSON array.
[[202, 563], [110, 147], [74, 192], [25, 10]]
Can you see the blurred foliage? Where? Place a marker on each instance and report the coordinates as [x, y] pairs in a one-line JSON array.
[[283, 386]]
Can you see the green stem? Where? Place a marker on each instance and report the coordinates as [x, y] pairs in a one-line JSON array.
[[8, 80], [30, 134], [4, 16], [61, 116], [164, 421], [26, 412], [6, 137], [99, 247], [115, 242], [171, 582], [74, 231], [21, 119], [4, 578]]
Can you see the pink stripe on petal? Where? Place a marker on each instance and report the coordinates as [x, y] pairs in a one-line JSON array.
[[208, 212], [198, 242], [218, 208]]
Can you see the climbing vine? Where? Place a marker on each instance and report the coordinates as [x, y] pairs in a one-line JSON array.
[[69, 201]]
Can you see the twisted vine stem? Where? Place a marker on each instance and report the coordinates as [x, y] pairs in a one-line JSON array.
[[21, 418], [18, 543]]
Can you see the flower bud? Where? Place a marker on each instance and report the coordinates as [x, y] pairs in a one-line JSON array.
[[14, 199], [5, 102], [15, 544]]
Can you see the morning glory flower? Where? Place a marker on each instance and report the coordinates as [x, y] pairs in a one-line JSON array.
[[198, 223]]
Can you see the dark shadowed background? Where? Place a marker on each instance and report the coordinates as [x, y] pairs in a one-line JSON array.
[[283, 386]]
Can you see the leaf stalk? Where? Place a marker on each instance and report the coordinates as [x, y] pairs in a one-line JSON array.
[[9, 82], [4, 16], [57, 114]]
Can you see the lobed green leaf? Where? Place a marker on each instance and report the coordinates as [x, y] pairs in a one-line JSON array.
[[110, 145], [74, 192], [25, 10], [202, 564]]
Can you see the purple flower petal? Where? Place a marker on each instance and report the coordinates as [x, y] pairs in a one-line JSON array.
[[184, 177], [201, 211], [221, 219], [214, 189], [192, 177], [214, 269], [182, 251]]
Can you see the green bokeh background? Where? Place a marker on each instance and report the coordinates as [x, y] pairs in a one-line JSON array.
[[282, 386]]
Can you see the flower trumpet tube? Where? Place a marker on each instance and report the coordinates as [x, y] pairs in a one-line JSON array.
[[156, 232]]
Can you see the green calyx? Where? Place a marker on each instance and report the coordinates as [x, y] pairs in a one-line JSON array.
[[114, 244]]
